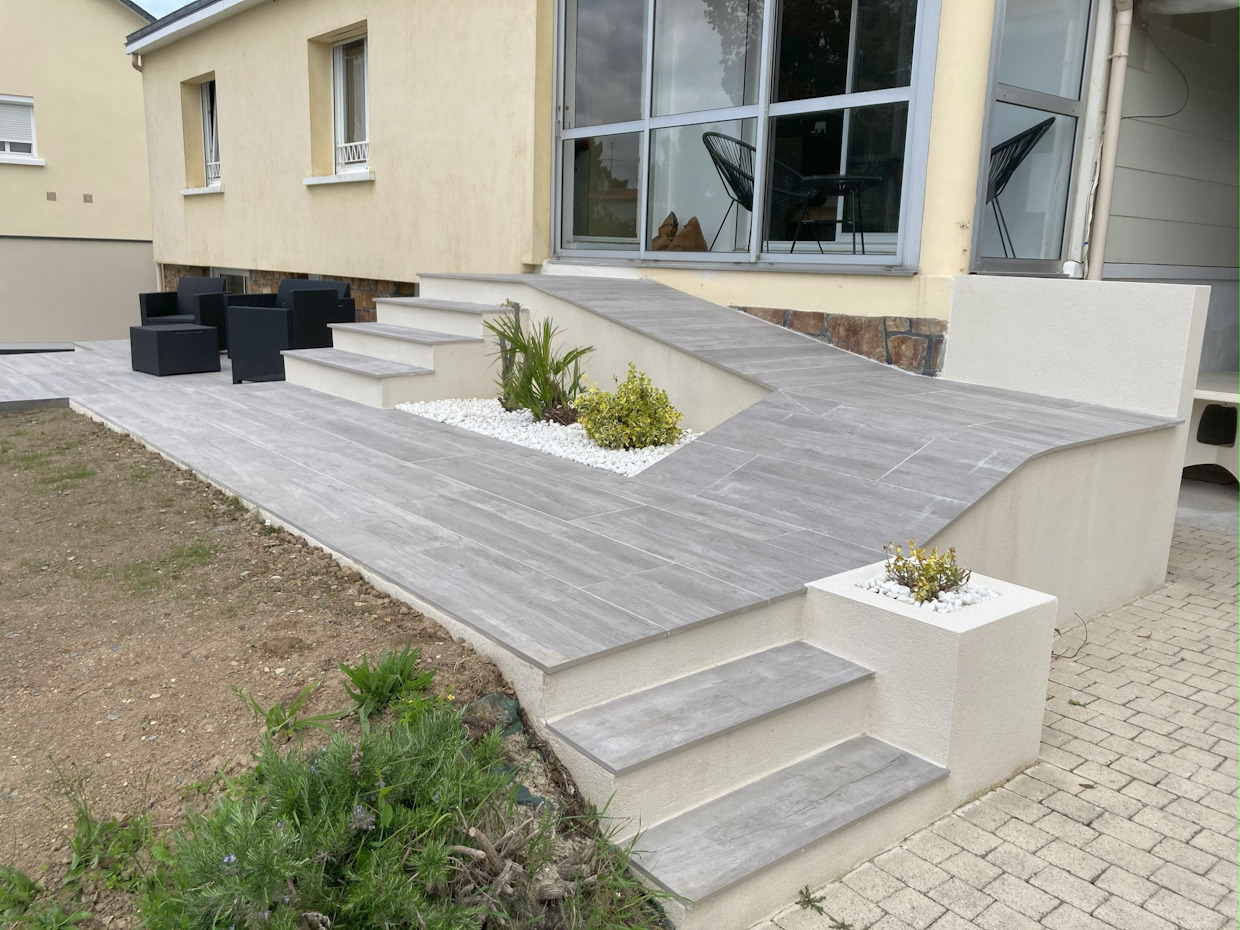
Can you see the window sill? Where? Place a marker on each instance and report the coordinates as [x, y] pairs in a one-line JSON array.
[[199, 191], [344, 177], [8, 159]]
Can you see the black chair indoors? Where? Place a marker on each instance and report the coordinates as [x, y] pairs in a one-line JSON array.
[[1005, 158], [734, 161], [180, 306], [216, 305], [258, 334]]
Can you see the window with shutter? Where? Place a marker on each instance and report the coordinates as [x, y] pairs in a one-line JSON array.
[[16, 125]]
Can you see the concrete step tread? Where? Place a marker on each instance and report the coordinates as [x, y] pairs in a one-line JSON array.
[[439, 303], [358, 364], [639, 728], [712, 847], [403, 333]]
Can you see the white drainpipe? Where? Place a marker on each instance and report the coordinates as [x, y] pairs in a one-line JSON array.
[[1110, 139]]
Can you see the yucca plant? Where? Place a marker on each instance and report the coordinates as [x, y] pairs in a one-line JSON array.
[[533, 375]]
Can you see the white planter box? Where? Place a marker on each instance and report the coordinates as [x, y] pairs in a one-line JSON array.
[[965, 689]]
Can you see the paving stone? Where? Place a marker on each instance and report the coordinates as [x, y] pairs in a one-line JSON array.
[[1021, 896], [1069, 831], [1023, 835], [871, 882], [1189, 885], [911, 869], [1224, 873], [1188, 788], [1185, 914], [890, 922], [1131, 833], [1073, 807], [965, 835], [971, 869], [950, 921], [1216, 844], [914, 908], [1130, 887], [1167, 823], [1015, 861], [1067, 917], [1029, 787], [930, 846], [1107, 775], [1080, 863], [1202, 816], [1148, 794], [1067, 887], [1125, 916], [1001, 917], [838, 901], [1111, 801], [1117, 852], [1056, 777], [1185, 856], [962, 898]]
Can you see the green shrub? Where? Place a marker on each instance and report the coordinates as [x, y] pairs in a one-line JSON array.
[[925, 575], [637, 415], [533, 375]]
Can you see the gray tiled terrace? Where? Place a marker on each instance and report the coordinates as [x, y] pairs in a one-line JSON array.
[[558, 561]]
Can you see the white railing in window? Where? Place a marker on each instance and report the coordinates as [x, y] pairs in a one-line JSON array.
[[352, 153], [213, 173]]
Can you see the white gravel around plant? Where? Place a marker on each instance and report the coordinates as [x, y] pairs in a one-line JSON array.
[[488, 417], [945, 602]]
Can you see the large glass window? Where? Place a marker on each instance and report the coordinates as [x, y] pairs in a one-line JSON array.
[[1029, 161], [737, 129]]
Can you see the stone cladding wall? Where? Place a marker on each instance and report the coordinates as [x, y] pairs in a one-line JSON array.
[[364, 290], [915, 344]]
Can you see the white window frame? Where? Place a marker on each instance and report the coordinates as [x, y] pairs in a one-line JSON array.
[[352, 156], [7, 156], [242, 273], [210, 133], [917, 94]]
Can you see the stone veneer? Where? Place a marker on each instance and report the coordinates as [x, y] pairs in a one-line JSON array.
[[364, 290], [913, 343]]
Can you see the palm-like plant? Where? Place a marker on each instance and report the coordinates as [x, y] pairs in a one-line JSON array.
[[533, 376]]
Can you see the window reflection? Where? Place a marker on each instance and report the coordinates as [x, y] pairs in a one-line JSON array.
[[819, 55], [602, 191], [706, 54], [605, 85]]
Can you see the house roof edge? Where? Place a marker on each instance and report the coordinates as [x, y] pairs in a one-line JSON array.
[[194, 16]]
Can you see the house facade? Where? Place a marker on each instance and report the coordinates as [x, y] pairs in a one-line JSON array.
[[885, 147], [75, 217]]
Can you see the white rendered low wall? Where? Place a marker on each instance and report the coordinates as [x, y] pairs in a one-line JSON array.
[[965, 689]]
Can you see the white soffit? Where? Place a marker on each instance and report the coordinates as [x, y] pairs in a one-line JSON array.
[[187, 25]]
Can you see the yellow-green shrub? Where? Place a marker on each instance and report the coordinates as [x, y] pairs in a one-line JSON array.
[[636, 415], [925, 575]]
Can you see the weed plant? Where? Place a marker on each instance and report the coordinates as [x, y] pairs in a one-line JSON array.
[[27, 903], [279, 720], [392, 677], [410, 826], [534, 376], [926, 575]]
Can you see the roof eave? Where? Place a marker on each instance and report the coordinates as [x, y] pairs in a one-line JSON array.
[[179, 25]]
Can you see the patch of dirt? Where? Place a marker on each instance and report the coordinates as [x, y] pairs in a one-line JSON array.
[[133, 598]]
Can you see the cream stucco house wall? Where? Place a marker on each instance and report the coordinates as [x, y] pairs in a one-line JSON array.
[[557, 135], [75, 218]]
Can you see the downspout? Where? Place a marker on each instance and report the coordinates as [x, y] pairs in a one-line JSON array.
[[136, 61], [1110, 138]]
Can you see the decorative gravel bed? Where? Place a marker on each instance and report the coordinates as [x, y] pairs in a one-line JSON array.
[[488, 417], [945, 602]]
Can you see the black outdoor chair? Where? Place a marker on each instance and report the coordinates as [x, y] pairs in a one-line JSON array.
[[258, 334], [1005, 158], [216, 305], [184, 305], [734, 161]]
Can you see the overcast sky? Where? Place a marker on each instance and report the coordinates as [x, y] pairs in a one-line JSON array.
[[158, 8]]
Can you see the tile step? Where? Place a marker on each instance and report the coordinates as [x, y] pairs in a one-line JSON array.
[[365, 365], [403, 333], [431, 303], [637, 729], [715, 846]]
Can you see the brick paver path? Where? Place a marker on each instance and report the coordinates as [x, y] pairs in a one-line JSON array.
[[1129, 819]]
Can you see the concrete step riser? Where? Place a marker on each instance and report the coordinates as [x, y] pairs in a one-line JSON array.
[[725, 762], [654, 662], [334, 381], [759, 895], [434, 319], [378, 346]]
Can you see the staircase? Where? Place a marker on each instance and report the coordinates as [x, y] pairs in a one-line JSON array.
[[741, 754], [419, 349]]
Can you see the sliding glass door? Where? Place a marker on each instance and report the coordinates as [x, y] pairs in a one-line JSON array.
[[737, 130]]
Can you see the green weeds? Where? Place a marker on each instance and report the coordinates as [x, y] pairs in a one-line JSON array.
[[392, 677], [144, 576], [279, 720], [65, 475]]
